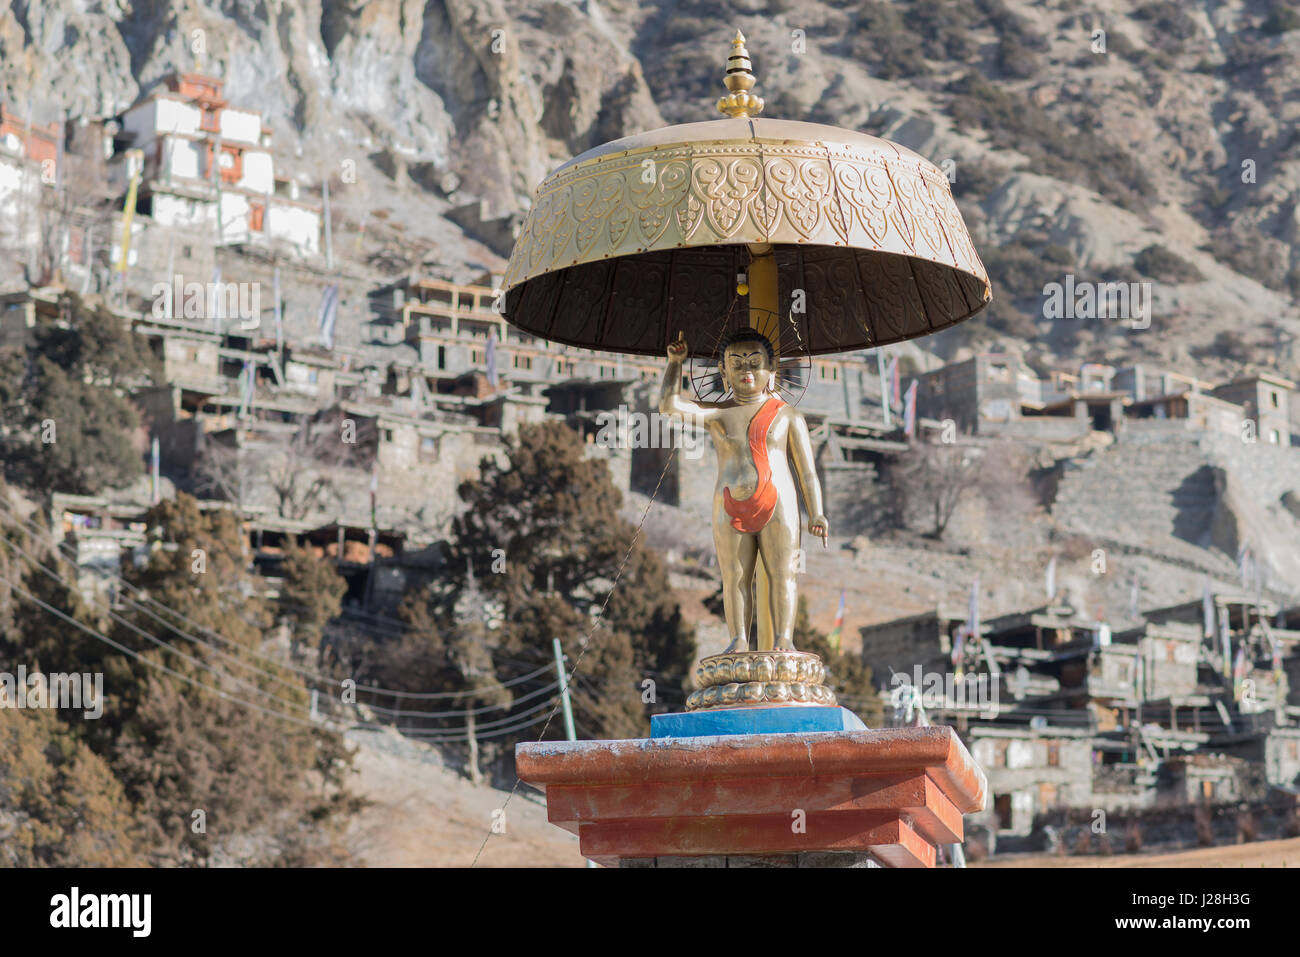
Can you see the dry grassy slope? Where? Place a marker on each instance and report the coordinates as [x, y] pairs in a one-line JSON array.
[[1284, 853], [424, 814]]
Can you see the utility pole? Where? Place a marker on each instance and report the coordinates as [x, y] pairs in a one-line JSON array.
[[329, 239], [475, 776], [155, 485], [564, 691], [279, 320], [570, 733], [89, 254], [216, 186], [171, 274], [884, 389]]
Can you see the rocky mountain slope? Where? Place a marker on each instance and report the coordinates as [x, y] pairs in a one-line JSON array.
[[1115, 141]]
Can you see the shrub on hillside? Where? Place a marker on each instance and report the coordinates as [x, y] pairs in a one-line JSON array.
[[191, 720], [70, 424], [1160, 264], [1077, 154]]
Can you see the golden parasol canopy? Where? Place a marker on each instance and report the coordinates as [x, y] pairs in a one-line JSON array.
[[853, 238]]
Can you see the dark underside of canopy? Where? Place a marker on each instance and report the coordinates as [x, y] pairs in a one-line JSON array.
[[853, 299]]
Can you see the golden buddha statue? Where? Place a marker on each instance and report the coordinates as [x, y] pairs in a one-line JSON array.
[[762, 443]]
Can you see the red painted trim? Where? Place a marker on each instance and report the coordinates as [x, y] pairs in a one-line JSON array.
[[937, 750], [885, 835], [897, 794], [753, 513]]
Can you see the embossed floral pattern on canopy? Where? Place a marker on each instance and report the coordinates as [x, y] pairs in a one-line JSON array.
[[639, 238]]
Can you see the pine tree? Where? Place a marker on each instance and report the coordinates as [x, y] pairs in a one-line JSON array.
[[71, 426], [312, 593], [535, 556], [60, 805], [186, 740]]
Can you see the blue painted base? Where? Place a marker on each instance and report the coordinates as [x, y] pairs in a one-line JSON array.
[[776, 719]]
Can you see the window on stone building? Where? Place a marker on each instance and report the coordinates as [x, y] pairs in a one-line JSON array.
[[1053, 754], [1002, 808]]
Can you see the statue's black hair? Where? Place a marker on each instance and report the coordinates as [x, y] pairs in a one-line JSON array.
[[747, 334]]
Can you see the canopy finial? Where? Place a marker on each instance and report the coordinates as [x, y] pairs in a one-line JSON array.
[[739, 80]]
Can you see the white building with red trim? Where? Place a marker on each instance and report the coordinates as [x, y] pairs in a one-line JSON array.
[[28, 158], [209, 164]]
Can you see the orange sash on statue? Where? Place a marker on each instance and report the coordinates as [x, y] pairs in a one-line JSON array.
[[753, 513]]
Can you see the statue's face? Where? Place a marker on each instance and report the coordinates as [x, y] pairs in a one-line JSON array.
[[746, 369]]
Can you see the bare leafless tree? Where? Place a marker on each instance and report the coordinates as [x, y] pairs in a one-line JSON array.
[[929, 481], [932, 480], [300, 486], [73, 197], [303, 474], [217, 472]]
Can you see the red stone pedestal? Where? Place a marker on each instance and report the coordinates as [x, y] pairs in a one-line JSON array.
[[895, 794]]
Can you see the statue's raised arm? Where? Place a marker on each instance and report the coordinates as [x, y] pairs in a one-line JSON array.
[[671, 401]]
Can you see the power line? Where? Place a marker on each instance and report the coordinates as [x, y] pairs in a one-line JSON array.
[[158, 641], [95, 633], [494, 729], [54, 575], [255, 689], [119, 580], [488, 726], [475, 711], [321, 679], [499, 733], [313, 675]]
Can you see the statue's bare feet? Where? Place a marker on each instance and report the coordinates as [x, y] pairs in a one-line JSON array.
[[785, 644], [737, 644]]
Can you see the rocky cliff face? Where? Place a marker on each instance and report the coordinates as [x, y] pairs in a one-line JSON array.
[[1150, 142]]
